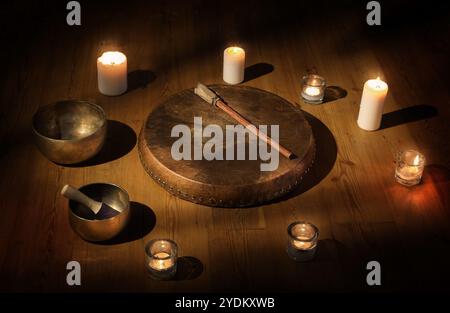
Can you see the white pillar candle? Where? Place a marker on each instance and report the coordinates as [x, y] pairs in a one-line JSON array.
[[372, 102], [112, 73], [233, 65]]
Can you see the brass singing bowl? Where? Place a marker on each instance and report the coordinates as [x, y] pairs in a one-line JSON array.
[[69, 132], [83, 220]]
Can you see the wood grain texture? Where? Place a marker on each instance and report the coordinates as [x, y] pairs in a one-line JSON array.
[[362, 213]]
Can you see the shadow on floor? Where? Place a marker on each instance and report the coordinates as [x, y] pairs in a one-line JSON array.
[[188, 268], [142, 221], [328, 250], [333, 93], [407, 115], [140, 79], [257, 70], [326, 154]]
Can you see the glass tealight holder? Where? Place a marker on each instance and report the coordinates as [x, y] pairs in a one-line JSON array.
[[161, 258], [302, 241], [409, 167], [313, 88]]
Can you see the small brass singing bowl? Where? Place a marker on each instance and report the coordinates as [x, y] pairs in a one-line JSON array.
[[69, 132], [84, 221]]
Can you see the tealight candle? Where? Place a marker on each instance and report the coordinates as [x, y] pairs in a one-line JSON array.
[[372, 102], [233, 65], [313, 88], [409, 167], [161, 258], [112, 73], [302, 241]]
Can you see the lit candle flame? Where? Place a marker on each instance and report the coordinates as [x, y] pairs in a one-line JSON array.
[[378, 84], [235, 50], [112, 58], [416, 160]]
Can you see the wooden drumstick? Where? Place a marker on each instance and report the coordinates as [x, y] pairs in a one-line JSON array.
[[212, 98]]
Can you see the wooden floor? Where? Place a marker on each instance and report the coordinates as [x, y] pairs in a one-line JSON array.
[[351, 194]]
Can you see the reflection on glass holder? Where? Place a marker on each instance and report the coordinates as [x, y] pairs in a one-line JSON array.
[[313, 88], [161, 258], [302, 241], [409, 167]]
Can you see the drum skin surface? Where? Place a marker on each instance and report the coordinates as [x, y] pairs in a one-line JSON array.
[[226, 183]]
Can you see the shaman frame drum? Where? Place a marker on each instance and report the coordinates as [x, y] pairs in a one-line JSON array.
[[226, 183]]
